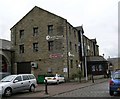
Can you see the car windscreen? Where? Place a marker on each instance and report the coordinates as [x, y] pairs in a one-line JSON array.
[[8, 78], [116, 76]]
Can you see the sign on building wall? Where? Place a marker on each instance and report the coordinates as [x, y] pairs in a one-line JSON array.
[[65, 70], [53, 37], [57, 55]]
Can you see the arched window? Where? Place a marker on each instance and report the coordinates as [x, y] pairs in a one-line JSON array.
[[4, 64]]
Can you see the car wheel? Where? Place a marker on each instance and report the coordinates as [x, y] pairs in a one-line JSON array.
[[32, 88], [111, 92], [8, 92]]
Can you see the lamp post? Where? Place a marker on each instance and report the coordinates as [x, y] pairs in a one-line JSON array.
[[110, 69], [85, 51], [86, 69]]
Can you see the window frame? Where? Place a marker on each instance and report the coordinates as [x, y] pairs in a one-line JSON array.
[[21, 33], [35, 31], [21, 48], [31, 77], [50, 45], [50, 29], [70, 45], [76, 63], [71, 63], [24, 77], [17, 79], [35, 47], [70, 30], [76, 47], [75, 34]]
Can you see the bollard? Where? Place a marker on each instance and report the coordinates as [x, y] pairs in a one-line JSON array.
[[92, 79], [46, 91]]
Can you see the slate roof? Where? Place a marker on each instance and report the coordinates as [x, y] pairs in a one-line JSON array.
[[5, 44], [80, 28], [96, 58]]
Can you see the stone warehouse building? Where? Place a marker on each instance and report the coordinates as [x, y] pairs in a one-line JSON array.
[[47, 43]]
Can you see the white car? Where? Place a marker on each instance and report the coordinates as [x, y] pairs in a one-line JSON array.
[[55, 79], [16, 83]]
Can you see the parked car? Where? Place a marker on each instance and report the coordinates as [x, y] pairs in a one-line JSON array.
[[16, 83], [56, 79], [114, 84]]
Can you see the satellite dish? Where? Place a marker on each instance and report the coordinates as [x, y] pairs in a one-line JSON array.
[[47, 37]]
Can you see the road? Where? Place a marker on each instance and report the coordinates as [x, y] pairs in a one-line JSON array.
[[97, 90]]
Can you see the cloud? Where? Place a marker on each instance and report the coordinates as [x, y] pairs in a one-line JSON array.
[[99, 18]]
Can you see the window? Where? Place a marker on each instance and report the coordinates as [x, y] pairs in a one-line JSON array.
[[18, 78], [116, 76], [93, 68], [25, 77], [71, 63], [21, 33], [35, 47], [50, 29], [74, 33], [100, 67], [35, 31], [21, 48], [69, 30], [76, 47], [31, 77], [76, 63], [50, 45], [70, 45]]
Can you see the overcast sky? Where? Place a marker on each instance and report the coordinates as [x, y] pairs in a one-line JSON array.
[[98, 17]]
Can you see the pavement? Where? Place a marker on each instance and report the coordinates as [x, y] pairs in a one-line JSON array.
[[53, 90]]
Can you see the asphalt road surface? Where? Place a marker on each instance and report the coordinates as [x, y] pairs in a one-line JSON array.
[[97, 90]]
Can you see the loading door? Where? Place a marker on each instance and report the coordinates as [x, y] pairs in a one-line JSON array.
[[23, 68]]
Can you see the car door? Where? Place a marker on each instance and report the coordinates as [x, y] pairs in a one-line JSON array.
[[17, 84], [61, 78], [26, 82]]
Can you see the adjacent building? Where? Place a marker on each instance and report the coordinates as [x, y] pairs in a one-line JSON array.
[[6, 55], [114, 64], [47, 43]]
